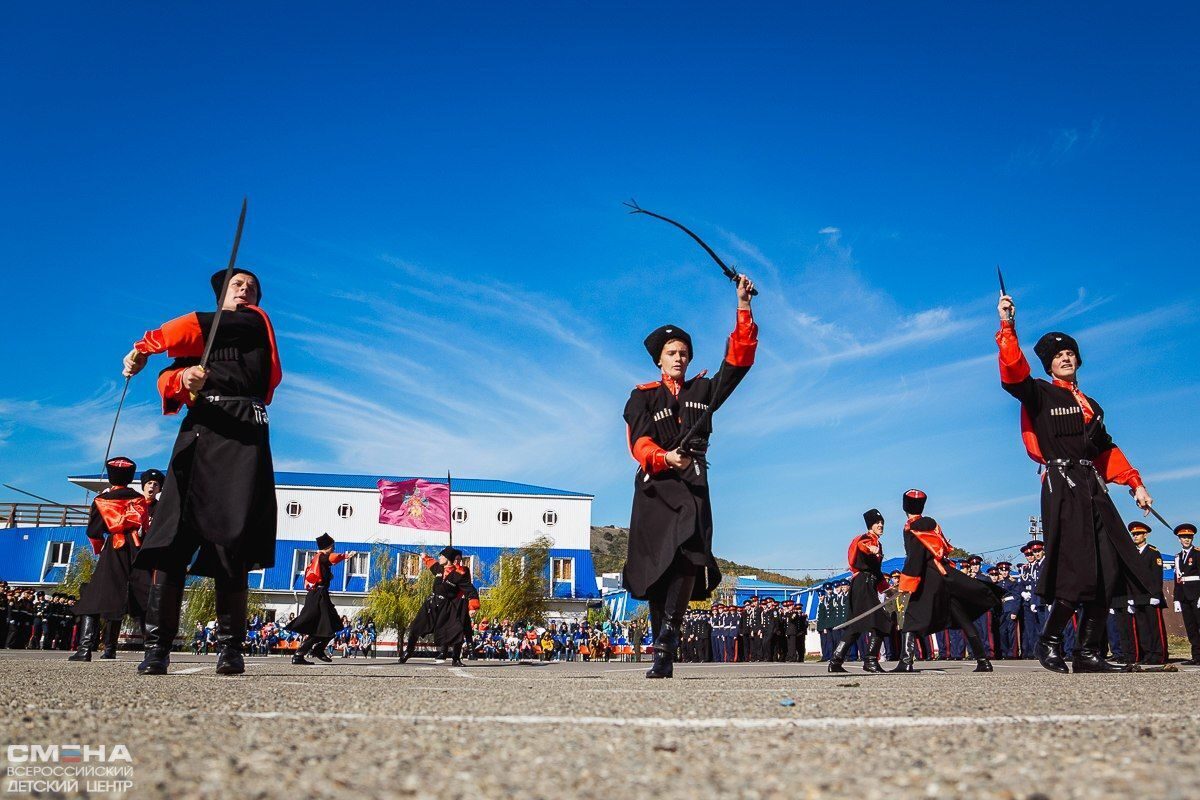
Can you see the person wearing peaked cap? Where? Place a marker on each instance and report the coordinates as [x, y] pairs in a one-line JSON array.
[[116, 525], [865, 560], [1187, 587], [1149, 625], [446, 614], [934, 595], [1008, 616], [1089, 556], [1033, 609], [669, 560], [216, 515], [825, 617], [318, 622]]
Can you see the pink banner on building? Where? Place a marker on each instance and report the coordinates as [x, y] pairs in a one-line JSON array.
[[415, 503]]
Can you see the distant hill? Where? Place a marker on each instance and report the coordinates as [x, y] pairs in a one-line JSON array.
[[609, 544]]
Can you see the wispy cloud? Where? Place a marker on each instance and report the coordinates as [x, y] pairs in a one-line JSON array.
[[1056, 146], [1079, 306]]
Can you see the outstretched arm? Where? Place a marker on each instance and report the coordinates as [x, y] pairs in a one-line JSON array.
[[1015, 374], [740, 348]]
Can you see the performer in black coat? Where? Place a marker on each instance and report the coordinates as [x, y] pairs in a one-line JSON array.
[[1089, 554], [865, 558], [934, 595], [218, 502], [447, 612], [670, 560], [319, 620], [116, 524]]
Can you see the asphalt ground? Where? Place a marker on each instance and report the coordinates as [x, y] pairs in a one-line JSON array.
[[373, 728]]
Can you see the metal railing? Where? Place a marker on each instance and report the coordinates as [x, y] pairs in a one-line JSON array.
[[41, 515]]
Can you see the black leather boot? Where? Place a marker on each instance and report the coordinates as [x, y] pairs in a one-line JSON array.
[[298, 657], [457, 662], [1090, 656], [409, 647], [162, 623], [664, 653], [839, 656], [871, 660], [318, 651], [908, 653], [1050, 654], [89, 632], [112, 632], [231, 631]]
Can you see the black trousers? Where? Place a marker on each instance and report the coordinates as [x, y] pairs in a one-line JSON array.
[[1191, 620], [669, 596], [1151, 634]]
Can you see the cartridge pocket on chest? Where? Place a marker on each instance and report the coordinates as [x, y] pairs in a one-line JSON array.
[[1066, 420]]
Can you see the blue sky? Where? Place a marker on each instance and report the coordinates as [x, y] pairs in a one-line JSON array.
[[435, 211]]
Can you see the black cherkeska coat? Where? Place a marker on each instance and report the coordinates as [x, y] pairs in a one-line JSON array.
[[937, 585], [865, 586], [671, 510], [445, 614], [116, 588], [1089, 553], [319, 618], [219, 493]]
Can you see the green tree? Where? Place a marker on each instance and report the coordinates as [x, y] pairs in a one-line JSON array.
[[598, 616], [519, 584], [200, 604], [394, 600], [79, 572]]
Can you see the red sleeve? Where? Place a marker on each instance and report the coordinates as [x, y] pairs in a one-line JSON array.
[[429, 562], [178, 338], [170, 387], [1115, 468], [97, 545], [1014, 367], [337, 558], [909, 583], [473, 604], [743, 342], [647, 453]]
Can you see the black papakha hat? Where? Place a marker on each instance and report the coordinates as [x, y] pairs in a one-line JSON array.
[[120, 470], [1054, 343], [218, 280], [1185, 529], [153, 475], [451, 553], [659, 337], [914, 502], [324, 541], [924, 524], [872, 516]]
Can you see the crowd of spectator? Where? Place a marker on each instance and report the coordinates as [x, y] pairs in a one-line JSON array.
[[264, 637], [508, 640]]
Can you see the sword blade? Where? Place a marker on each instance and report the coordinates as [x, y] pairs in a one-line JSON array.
[[113, 432], [212, 330], [1003, 291], [864, 614], [1159, 517]]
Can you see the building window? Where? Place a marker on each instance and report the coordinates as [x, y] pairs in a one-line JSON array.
[[303, 557], [358, 564], [60, 553], [505, 516], [549, 518], [292, 509], [563, 570], [469, 563], [410, 566], [459, 515], [345, 511]]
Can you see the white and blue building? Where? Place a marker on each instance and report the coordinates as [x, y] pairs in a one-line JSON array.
[[489, 517]]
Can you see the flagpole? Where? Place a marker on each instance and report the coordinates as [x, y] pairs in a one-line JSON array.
[[450, 504]]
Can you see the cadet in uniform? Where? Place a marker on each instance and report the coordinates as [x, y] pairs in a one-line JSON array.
[[1148, 606], [1187, 587], [1009, 613]]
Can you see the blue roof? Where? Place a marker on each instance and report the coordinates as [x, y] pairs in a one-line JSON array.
[[330, 480]]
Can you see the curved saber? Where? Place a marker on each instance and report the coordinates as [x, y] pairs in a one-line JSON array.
[[113, 432], [212, 330], [729, 273]]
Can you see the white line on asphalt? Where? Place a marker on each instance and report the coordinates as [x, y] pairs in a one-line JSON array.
[[462, 673], [191, 671], [742, 723]]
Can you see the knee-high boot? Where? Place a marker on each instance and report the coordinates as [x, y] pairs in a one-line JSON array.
[[298, 657], [1090, 656], [162, 622], [839, 656], [871, 659], [665, 646], [231, 631], [908, 652], [457, 660], [1050, 645], [112, 632], [89, 631]]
